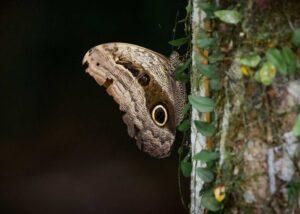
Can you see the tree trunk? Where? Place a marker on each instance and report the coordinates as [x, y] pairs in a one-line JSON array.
[[198, 141], [259, 154]]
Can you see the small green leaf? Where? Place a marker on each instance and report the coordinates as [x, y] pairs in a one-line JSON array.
[[215, 57], [186, 108], [209, 201], [206, 156], [188, 8], [205, 174], [257, 76], [266, 74], [296, 129], [207, 70], [187, 63], [229, 16], [290, 59], [207, 7], [186, 168], [274, 56], [215, 84], [178, 42], [288, 55], [296, 37], [184, 125], [205, 128], [206, 42], [250, 60], [293, 188], [180, 74], [202, 104]]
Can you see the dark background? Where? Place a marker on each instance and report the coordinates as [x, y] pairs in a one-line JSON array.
[[63, 145]]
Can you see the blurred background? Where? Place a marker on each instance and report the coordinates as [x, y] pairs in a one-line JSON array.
[[63, 145]]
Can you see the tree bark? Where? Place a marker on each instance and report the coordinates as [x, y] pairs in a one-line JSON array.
[[198, 141], [255, 122]]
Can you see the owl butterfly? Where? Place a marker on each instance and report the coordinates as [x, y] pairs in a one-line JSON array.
[[142, 82]]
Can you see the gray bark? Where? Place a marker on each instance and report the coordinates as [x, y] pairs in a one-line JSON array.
[[198, 141]]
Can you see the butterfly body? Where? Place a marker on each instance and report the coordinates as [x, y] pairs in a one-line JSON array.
[[141, 82]]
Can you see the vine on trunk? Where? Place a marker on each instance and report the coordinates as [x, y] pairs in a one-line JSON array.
[[267, 60]]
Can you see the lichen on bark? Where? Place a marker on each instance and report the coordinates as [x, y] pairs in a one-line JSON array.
[[258, 150]]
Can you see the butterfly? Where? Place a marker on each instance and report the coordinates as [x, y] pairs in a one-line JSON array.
[[142, 82]]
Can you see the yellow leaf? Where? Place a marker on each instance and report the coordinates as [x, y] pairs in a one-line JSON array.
[[245, 70], [219, 193], [272, 71]]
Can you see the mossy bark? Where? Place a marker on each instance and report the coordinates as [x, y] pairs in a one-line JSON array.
[[260, 156]]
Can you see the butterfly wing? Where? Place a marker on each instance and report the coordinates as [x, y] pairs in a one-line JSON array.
[[140, 81]]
